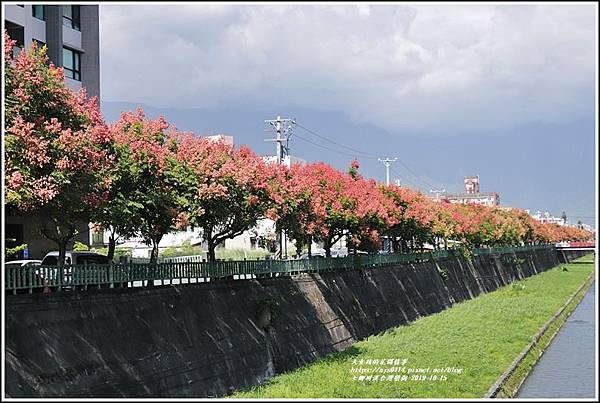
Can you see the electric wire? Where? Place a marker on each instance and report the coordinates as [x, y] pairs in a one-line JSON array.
[[364, 154], [361, 154], [324, 147]]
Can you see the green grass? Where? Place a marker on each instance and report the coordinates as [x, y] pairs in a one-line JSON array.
[[480, 336], [240, 254]]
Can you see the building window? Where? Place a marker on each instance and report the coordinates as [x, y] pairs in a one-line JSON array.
[[71, 17], [16, 33], [38, 12], [72, 64], [98, 236]]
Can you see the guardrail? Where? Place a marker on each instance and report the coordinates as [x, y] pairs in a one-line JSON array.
[[73, 277], [510, 249], [175, 259]]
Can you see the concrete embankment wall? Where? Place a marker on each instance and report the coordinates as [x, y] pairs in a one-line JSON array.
[[203, 340]]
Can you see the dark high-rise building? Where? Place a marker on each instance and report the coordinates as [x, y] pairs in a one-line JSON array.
[[71, 33]]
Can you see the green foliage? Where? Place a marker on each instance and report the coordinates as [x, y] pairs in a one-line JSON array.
[[118, 252], [79, 246], [466, 251], [269, 305], [11, 252], [240, 254], [443, 271], [185, 250]]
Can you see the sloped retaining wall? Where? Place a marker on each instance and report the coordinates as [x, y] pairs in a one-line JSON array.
[[205, 340]]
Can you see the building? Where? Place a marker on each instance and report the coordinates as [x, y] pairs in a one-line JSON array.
[[287, 160], [221, 137], [71, 34], [547, 218], [472, 195]]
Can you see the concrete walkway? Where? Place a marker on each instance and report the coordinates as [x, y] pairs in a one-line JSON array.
[[567, 368]]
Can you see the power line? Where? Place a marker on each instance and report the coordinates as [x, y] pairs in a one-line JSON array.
[[364, 154], [404, 179], [361, 154], [324, 147]]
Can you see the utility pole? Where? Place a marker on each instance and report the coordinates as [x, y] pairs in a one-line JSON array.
[[387, 162], [281, 126], [437, 193]]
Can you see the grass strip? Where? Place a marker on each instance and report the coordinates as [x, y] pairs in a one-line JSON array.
[[457, 353]]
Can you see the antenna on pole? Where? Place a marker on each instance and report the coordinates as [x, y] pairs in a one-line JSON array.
[[387, 162]]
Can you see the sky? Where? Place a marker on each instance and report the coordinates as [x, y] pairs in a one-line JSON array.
[[504, 91]]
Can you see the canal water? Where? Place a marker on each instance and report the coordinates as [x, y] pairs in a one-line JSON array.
[[566, 369]]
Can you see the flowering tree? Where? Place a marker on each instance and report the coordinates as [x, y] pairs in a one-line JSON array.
[[55, 147], [375, 211], [318, 202], [416, 217], [229, 190], [148, 190], [291, 208]]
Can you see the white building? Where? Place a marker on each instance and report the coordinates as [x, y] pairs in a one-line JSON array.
[[222, 137], [547, 218], [287, 160]]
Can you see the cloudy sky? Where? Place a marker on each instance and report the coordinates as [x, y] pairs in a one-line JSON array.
[[439, 73]]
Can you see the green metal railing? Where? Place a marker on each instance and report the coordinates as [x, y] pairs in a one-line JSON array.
[[510, 249], [127, 274], [175, 259]]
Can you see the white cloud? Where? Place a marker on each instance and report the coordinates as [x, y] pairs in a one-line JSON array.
[[421, 69]]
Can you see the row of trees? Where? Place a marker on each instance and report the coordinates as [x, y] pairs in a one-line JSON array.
[[65, 165]]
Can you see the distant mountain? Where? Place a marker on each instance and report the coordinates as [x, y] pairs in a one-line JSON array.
[[540, 166]]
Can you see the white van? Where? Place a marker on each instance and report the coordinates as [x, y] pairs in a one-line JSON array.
[[75, 258]]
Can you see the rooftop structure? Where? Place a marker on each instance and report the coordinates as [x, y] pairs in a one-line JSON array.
[[472, 194]]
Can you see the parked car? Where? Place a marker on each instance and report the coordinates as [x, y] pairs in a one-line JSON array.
[[22, 263], [75, 258], [71, 258], [313, 256]]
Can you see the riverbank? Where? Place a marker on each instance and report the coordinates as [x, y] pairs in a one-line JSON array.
[[459, 352]]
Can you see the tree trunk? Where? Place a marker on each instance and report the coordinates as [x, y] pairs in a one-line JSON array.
[[309, 246], [327, 246], [396, 245], [154, 255], [62, 251], [112, 243], [211, 244], [298, 247]]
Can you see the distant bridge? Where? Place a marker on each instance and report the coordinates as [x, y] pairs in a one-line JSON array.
[[576, 246], [579, 248]]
